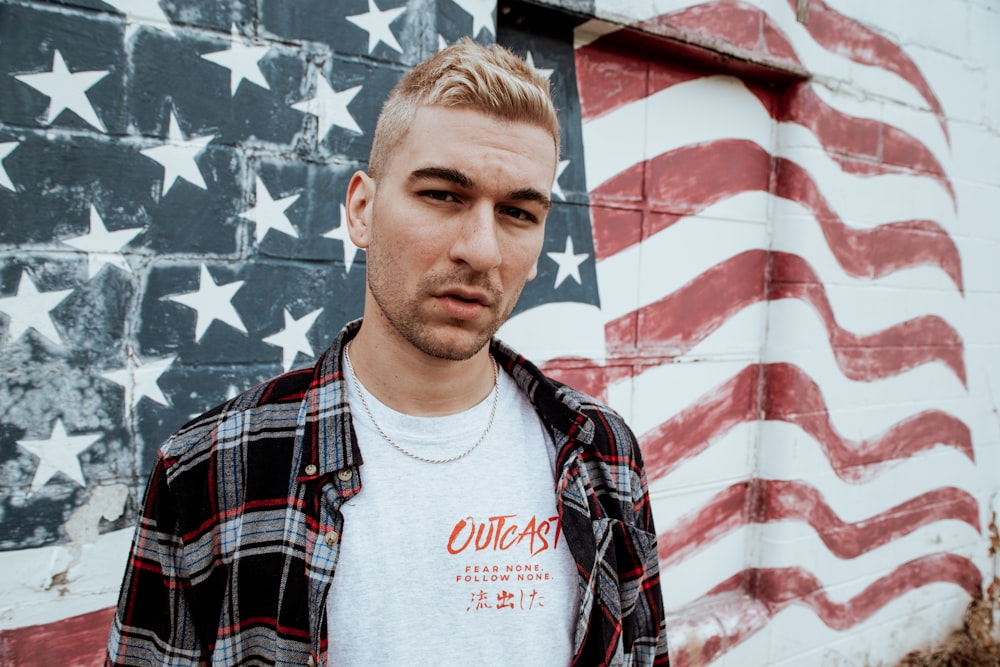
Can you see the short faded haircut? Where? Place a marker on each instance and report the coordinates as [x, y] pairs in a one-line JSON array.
[[465, 75]]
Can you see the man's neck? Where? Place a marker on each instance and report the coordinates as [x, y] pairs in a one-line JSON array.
[[415, 383]]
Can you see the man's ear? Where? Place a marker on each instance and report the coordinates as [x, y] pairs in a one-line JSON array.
[[360, 200]]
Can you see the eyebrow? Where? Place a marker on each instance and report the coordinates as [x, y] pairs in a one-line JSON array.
[[462, 180], [443, 174]]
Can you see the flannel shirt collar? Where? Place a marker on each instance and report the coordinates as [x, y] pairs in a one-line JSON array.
[[325, 434]]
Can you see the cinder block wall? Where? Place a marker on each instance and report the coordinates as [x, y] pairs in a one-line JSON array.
[[783, 274]]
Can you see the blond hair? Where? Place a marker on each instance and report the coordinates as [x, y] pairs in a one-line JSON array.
[[468, 75]]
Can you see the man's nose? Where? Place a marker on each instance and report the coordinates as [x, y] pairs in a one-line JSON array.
[[476, 243]]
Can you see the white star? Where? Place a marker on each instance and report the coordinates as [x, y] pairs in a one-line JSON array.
[[29, 309], [103, 247], [141, 379], [66, 90], [212, 302], [330, 107], [569, 263], [142, 12], [292, 339], [482, 14], [177, 156], [341, 234], [376, 23], [60, 453], [6, 149], [269, 213], [242, 59], [547, 73], [556, 188]]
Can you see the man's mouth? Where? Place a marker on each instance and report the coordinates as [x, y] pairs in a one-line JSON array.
[[463, 304], [468, 296]]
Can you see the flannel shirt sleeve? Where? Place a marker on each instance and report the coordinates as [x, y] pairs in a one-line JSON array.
[[651, 595], [153, 624]]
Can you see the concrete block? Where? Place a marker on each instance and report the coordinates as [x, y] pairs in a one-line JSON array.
[[937, 27], [958, 84], [70, 67]]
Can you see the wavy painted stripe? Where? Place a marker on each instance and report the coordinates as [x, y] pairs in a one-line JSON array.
[[629, 280], [780, 587], [777, 589], [882, 146], [793, 397], [766, 501], [683, 182], [874, 252], [677, 322], [787, 544], [610, 79], [730, 625], [782, 500], [783, 446], [889, 352], [846, 37], [615, 77], [858, 145], [659, 391], [78, 641], [736, 23]]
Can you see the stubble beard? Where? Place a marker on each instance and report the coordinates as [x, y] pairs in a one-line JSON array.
[[405, 317]]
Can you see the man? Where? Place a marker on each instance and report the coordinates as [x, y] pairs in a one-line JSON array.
[[423, 495]]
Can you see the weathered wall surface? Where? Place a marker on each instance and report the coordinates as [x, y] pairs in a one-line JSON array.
[[798, 290], [789, 285]]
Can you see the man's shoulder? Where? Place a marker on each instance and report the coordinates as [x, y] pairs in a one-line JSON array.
[[276, 400], [571, 411], [607, 423]]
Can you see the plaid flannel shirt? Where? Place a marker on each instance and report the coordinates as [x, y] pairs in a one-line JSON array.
[[239, 535]]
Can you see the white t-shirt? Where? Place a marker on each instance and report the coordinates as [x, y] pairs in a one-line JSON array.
[[454, 563]]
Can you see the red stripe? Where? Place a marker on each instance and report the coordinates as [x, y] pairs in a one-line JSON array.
[[673, 185], [850, 39], [610, 77], [870, 253], [691, 431], [874, 356], [687, 180], [682, 319], [779, 500], [858, 145], [780, 587], [772, 590], [791, 396], [735, 23], [77, 641]]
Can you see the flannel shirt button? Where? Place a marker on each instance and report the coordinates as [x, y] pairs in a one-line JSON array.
[[331, 539], [345, 475], [311, 469]]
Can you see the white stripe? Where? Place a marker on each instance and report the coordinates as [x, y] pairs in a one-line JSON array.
[[687, 113], [28, 597], [796, 636]]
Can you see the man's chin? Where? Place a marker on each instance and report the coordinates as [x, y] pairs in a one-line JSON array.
[[453, 342]]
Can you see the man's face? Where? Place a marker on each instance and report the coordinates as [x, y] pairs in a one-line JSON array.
[[453, 228]]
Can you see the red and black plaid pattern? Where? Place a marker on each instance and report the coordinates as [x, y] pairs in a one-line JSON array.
[[239, 535]]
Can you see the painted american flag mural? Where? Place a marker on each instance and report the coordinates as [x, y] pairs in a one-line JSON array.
[[784, 273]]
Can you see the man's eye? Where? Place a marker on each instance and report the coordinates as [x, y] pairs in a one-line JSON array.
[[518, 214], [439, 195]]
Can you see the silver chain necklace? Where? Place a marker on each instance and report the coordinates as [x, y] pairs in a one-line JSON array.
[[402, 450]]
